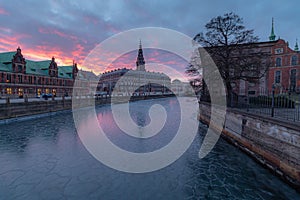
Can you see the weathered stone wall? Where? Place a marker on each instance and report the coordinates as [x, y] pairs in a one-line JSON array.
[[13, 110], [274, 143]]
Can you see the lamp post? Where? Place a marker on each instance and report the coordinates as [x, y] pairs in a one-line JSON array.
[[273, 100]]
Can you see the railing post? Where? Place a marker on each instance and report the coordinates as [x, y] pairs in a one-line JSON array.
[[273, 101], [7, 100], [248, 102], [26, 98]]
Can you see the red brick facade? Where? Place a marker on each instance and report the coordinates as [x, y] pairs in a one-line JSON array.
[[284, 74]]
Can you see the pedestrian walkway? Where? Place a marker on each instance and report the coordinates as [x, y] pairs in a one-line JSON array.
[[21, 100]]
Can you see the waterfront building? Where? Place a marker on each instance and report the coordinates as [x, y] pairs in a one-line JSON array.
[[282, 74], [136, 82], [20, 77], [245, 80], [182, 88]]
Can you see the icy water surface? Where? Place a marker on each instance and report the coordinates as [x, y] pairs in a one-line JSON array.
[[45, 159]]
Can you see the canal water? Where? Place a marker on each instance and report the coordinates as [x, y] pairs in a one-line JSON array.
[[45, 159]]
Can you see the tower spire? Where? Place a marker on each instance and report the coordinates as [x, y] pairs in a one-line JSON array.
[[272, 36], [140, 46], [140, 61], [296, 46]]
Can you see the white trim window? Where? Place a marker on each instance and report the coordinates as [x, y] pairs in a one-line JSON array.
[[277, 77]]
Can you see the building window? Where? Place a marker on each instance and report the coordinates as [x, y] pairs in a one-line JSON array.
[[277, 76], [20, 78], [293, 80], [251, 92], [20, 92], [294, 60], [279, 51], [8, 91], [20, 68], [8, 78], [278, 62]]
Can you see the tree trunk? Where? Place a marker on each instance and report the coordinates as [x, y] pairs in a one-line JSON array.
[[229, 95]]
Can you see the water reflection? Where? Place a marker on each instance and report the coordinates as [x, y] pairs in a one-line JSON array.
[[139, 112], [44, 159]]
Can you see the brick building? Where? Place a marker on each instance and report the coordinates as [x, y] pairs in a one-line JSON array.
[[20, 77], [284, 74]]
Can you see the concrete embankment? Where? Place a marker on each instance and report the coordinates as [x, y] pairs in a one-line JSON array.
[[273, 143], [10, 112]]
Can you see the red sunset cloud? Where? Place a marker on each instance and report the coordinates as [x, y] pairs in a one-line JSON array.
[[67, 48]]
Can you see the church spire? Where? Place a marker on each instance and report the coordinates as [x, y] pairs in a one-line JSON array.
[[272, 36], [140, 61], [296, 46]]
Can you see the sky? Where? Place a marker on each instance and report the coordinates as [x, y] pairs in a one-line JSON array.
[[70, 30]]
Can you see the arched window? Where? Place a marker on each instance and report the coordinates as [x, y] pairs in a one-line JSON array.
[[294, 60], [293, 80], [277, 76], [278, 62]]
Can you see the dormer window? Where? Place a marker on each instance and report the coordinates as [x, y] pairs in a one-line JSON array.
[[18, 62], [279, 51], [53, 70], [20, 68]]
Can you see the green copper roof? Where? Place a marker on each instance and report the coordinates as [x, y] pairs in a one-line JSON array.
[[40, 68], [296, 46], [37, 67], [272, 37], [7, 56], [5, 67], [65, 71]]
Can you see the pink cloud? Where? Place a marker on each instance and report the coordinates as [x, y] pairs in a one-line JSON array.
[[57, 32], [3, 12]]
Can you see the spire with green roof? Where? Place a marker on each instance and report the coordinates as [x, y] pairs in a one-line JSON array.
[[272, 37], [296, 46]]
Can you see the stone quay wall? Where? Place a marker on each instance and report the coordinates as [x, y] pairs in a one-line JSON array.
[[271, 142], [10, 110]]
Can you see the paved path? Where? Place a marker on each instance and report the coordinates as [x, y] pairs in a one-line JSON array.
[[31, 99]]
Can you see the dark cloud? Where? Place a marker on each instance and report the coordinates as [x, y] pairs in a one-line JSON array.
[[70, 29]]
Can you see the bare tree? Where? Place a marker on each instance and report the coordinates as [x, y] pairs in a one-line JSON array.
[[194, 71], [234, 49]]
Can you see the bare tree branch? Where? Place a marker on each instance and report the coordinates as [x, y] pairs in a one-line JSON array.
[[234, 49]]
